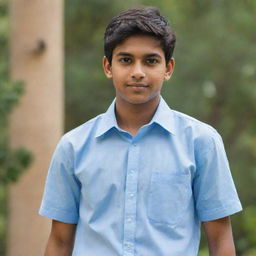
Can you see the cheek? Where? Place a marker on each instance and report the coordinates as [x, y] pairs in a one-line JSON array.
[[158, 76], [117, 79], [119, 75]]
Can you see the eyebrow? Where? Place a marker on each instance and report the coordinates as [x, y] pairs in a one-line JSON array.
[[149, 55], [123, 54]]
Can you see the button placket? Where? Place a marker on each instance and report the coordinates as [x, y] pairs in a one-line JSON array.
[[131, 200]]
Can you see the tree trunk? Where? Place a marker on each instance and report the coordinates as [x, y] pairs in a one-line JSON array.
[[36, 50]]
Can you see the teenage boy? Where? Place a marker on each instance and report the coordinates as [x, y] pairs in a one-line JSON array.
[[140, 178]]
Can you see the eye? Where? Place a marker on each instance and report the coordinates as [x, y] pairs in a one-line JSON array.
[[125, 60], [152, 61]]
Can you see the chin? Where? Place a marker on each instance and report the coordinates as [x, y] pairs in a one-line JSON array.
[[140, 100]]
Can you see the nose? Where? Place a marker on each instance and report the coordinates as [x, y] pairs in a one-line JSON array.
[[137, 72]]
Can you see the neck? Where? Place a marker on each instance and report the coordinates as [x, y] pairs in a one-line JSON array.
[[131, 117]]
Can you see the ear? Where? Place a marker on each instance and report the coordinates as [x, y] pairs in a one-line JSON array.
[[169, 69], [107, 68]]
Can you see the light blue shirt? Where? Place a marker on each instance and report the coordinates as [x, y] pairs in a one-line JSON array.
[[144, 195]]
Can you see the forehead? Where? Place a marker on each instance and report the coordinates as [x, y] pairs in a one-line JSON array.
[[140, 44]]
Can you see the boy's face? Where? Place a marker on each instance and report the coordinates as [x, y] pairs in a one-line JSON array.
[[138, 69]]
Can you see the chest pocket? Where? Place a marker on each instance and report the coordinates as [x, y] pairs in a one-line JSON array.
[[168, 198]]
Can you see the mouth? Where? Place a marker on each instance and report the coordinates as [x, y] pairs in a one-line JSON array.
[[138, 85]]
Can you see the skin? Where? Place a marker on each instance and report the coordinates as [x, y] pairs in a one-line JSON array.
[[219, 237], [61, 239], [138, 71]]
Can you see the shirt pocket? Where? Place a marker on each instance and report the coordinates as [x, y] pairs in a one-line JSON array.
[[169, 196]]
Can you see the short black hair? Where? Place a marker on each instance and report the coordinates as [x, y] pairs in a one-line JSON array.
[[139, 20]]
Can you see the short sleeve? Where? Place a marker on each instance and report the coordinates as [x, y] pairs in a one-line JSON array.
[[214, 190], [62, 189]]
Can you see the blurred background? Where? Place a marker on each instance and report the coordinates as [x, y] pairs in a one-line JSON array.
[[214, 81]]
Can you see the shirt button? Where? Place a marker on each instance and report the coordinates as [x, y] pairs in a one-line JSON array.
[[131, 194], [129, 220], [128, 245], [134, 144]]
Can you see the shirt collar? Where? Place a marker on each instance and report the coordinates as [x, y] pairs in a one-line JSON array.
[[107, 121], [163, 117]]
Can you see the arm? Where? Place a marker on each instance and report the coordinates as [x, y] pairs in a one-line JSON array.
[[219, 237], [61, 239]]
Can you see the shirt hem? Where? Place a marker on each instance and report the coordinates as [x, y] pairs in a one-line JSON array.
[[221, 212], [58, 215]]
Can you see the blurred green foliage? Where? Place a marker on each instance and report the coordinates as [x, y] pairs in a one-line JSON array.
[[214, 79], [12, 162]]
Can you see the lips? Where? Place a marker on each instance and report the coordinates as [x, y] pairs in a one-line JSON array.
[[138, 85]]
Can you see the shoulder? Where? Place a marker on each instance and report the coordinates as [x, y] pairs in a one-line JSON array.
[[78, 136], [202, 134], [186, 122]]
